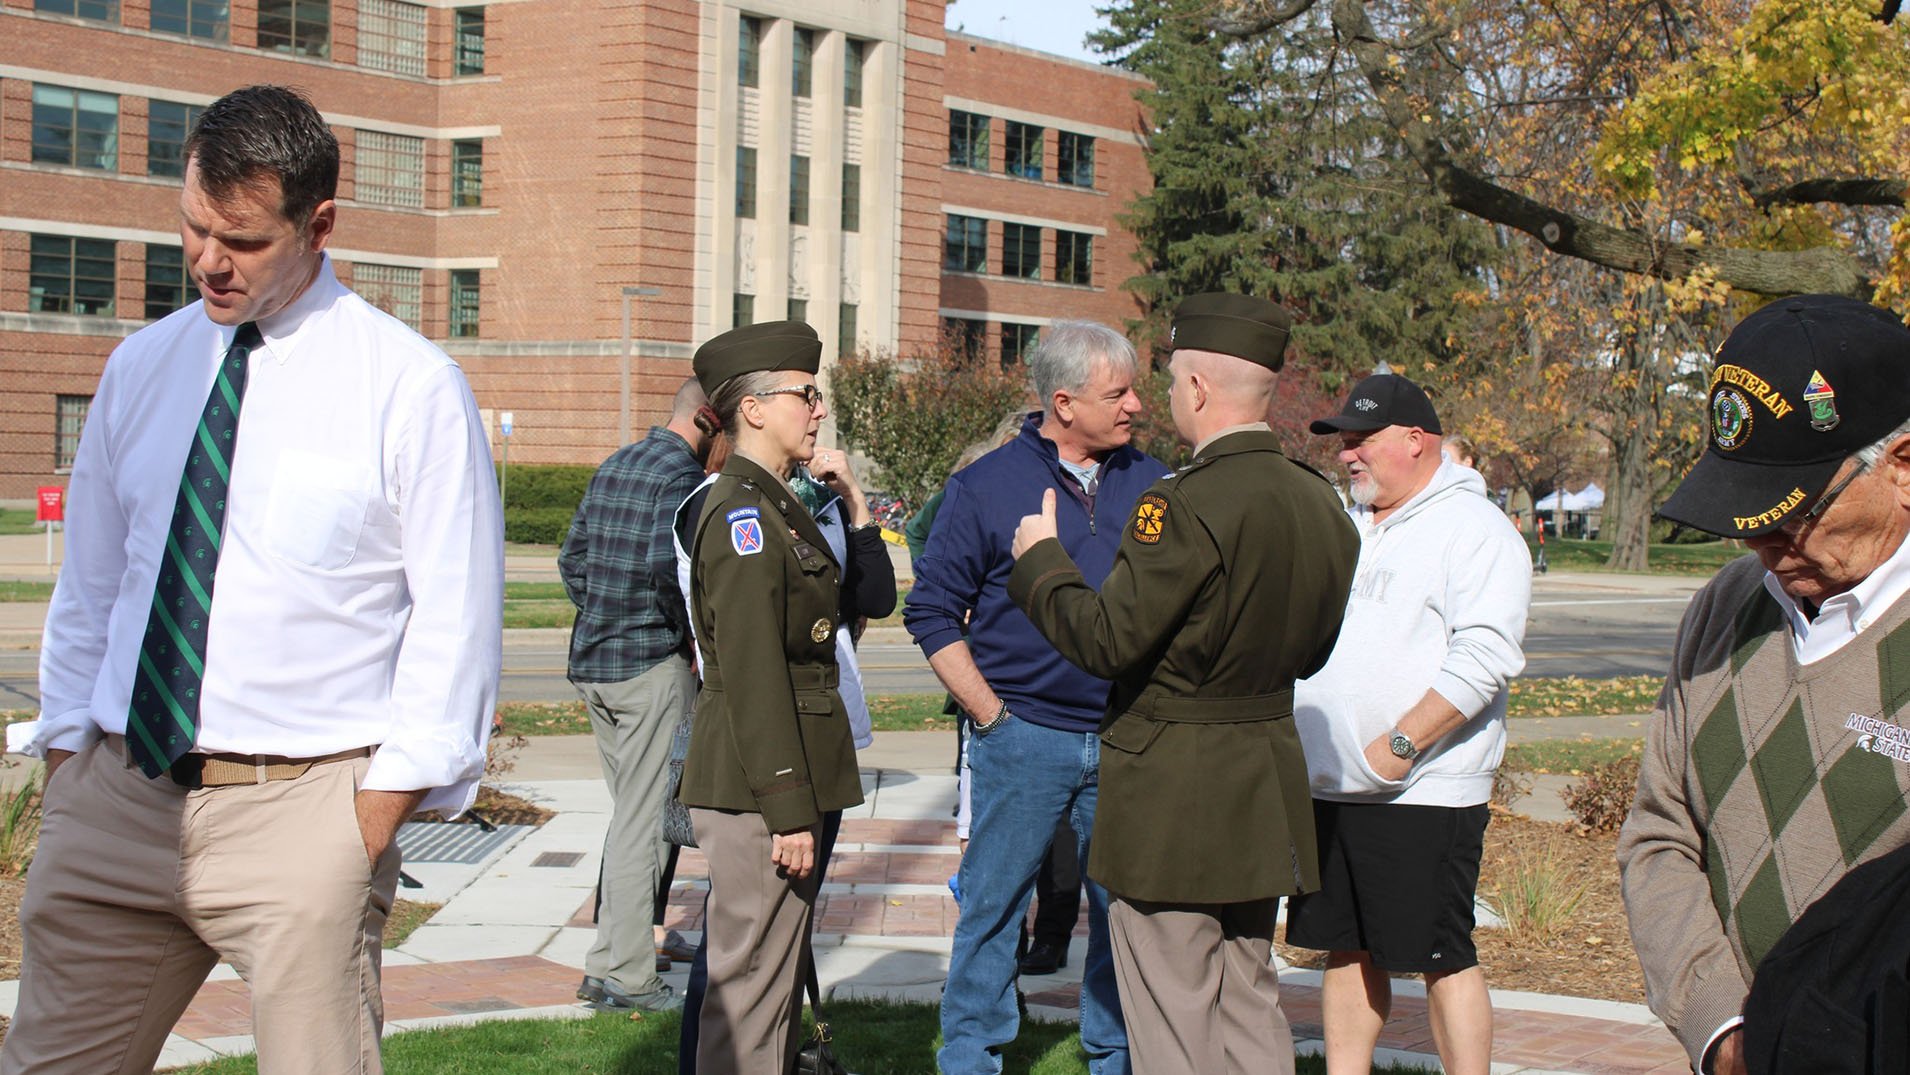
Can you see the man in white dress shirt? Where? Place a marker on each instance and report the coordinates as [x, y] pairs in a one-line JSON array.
[[227, 768]]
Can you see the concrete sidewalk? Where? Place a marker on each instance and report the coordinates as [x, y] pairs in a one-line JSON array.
[[510, 939]]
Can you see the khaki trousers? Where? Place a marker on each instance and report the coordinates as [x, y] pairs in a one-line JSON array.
[[634, 721], [140, 887], [1198, 987], [755, 924]]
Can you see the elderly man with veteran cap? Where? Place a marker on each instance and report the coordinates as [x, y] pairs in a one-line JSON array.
[[1774, 762], [1230, 584], [771, 750]]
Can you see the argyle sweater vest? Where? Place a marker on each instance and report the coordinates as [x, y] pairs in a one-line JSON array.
[[1795, 774]]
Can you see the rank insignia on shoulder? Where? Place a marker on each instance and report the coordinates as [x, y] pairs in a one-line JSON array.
[[746, 535], [1150, 519]]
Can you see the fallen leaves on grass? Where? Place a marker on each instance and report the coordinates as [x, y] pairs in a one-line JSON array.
[[1571, 696]]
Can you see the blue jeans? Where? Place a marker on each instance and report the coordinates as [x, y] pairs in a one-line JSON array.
[[1024, 779]]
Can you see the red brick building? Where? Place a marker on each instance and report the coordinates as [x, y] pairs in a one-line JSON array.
[[517, 175]]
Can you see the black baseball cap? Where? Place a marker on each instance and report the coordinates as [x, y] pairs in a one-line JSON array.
[[1384, 399], [1799, 386]]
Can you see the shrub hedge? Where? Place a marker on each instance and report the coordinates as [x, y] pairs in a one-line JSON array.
[[540, 500]]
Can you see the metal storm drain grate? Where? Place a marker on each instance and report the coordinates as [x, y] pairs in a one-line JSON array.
[[558, 859], [438, 841]]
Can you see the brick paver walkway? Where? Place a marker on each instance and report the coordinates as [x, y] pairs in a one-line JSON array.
[[901, 853]]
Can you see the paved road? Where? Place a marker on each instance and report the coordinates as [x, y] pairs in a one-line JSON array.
[[1584, 625]]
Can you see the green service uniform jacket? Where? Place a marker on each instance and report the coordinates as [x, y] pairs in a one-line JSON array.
[[770, 736], [1230, 584]]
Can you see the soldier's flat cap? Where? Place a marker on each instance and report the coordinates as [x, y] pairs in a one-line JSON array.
[[1238, 325], [772, 345]]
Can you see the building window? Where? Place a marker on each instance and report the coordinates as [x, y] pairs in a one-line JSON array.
[[965, 337], [207, 19], [1016, 342], [167, 124], [799, 309], [75, 127], [168, 286], [852, 197], [749, 52], [746, 182], [1074, 257], [468, 50], [1024, 150], [300, 27], [852, 61], [464, 304], [802, 63], [391, 36], [966, 247], [1021, 251], [846, 329], [69, 420], [390, 169], [742, 310], [102, 10], [1074, 159], [799, 190], [394, 289], [467, 173], [70, 276], [967, 140]]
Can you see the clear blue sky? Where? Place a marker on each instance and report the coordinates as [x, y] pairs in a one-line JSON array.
[[1055, 26]]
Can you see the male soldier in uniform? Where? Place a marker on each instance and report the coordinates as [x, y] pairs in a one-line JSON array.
[[1230, 584]]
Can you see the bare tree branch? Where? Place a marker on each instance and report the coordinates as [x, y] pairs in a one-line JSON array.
[[1247, 22], [1854, 191], [1771, 272]]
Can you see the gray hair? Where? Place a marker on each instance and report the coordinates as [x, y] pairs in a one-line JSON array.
[[1065, 358], [728, 397], [1869, 456]]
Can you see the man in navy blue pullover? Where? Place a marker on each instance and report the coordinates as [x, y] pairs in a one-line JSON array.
[[1034, 757]]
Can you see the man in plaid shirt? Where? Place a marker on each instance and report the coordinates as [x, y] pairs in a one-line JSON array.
[[630, 659]]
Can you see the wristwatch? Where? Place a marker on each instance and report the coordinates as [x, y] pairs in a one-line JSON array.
[[1402, 746]]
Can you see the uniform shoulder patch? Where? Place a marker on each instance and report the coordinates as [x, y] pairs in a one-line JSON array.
[[746, 531], [1150, 519]]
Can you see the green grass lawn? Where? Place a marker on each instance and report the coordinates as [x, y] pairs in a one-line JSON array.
[[1572, 554], [871, 1038], [24, 590], [537, 604], [1568, 757], [1570, 696], [19, 521]]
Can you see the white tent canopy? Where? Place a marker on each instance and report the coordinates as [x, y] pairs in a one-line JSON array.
[[1589, 498]]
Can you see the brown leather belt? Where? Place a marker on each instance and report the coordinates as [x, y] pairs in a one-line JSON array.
[[227, 770]]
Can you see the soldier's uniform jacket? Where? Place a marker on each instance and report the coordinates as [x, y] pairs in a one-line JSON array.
[[1230, 584], [771, 735]]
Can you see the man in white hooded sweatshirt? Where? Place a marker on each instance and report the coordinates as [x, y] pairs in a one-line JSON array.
[[1404, 728]]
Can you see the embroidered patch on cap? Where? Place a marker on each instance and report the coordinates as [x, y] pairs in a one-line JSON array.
[[1150, 519], [1822, 402], [1730, 418]]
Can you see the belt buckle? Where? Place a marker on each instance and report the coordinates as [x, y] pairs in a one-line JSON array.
[[188, 771]]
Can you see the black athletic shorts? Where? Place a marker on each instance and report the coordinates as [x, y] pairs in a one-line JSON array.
[[1396, 882]]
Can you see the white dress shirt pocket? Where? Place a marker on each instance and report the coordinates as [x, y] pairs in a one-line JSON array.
[[317, 509]]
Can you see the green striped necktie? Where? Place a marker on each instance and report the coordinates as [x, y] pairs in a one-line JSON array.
[[164, 721]]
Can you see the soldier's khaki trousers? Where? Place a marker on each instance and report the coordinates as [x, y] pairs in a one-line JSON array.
[[754, 926], [1198, 988], [140, 887]]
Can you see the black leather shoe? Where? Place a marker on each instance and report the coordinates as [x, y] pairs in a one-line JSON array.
[[592, 990], [1044, 958]]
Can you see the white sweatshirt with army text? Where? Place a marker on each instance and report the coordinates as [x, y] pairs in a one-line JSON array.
[[1439, 602]]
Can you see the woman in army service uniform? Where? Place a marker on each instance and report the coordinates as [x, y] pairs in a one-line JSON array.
[[771, 751]]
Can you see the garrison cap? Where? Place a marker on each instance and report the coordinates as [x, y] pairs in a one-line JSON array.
[[1238, 325], [1384, 399], [772, 345], [1799, 386]]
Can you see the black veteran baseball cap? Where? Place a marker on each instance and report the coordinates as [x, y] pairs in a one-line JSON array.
[[1799, 386], [1384, 399], [772, 345], [1237, 325]]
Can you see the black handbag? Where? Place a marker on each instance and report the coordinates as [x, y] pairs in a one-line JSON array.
[[818, 1054]]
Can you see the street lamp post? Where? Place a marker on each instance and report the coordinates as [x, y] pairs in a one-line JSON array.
[[623, 367]]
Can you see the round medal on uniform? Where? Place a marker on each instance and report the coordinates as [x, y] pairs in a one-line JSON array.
[[820, 632]]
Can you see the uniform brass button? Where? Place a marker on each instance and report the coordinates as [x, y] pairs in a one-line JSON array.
[[820, 632]]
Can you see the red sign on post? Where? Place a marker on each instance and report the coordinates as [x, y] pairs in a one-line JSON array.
[[52, 502]]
